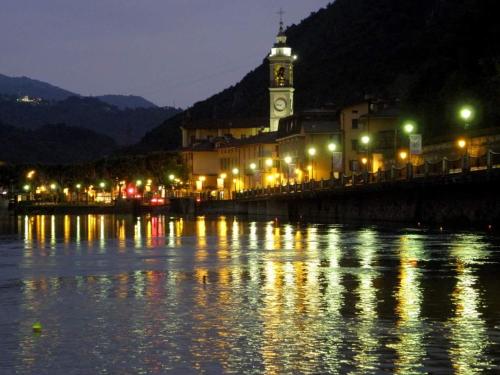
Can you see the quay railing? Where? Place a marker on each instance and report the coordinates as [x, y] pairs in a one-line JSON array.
[[443, 167]]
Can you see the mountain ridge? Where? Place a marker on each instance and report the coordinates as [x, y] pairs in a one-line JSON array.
[[432, 55]]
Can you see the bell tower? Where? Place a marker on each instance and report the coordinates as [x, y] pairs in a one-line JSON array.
[[280, 79]]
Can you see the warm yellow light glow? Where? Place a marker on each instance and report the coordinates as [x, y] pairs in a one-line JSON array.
[[408, 127], [171, 177], [26, 187], [298, 171], [138, 182], [312, 151], [78, 186], [223, 175], [365, 139], [270, 178], [30, 174], [253, 166], [332, 146], [236, 171], [102, 185], [269, 162], [288, 159], [461, 143], [364, 160], [202, 178], [53, 186], [149, 181], [403, 155], [309, 167]]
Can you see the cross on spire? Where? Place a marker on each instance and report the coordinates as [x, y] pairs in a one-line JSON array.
[[281, 12]]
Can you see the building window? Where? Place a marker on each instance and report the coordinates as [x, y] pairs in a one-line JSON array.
[[354, 145], [355, 123]]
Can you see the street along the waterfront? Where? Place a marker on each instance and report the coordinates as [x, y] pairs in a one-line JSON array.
[[153, 294]]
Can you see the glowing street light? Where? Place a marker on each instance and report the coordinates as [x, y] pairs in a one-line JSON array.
[[364, 161], [332, 147], [365, 139], [78, 186], [462, 143], [466, 113], [171, 177], [30, 174], [102, 184], [269, 162], [53, 186], [138, 182], [288, 159], [311, 151], [403, 155], [253, 166], [235, 171], [223, 176], [408, 127], [26, 187]]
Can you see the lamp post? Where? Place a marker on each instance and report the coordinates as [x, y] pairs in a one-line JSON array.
[[312, 153], [466, 114], [365, 140], [332, 147], [409, 128], [288, 161], [253, 167], [235, 172]]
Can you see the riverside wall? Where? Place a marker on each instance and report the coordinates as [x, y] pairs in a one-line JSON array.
[[462, 200]]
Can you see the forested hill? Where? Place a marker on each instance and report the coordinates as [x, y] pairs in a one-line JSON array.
[[431, 54], [53, 144], [125, 126]]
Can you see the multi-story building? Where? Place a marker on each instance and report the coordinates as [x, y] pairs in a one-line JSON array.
[[370, 135], [309, 145]]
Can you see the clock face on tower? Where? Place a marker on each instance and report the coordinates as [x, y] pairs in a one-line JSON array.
[[280, 104]]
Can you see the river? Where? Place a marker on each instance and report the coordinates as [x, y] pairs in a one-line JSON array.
[[159, 294]]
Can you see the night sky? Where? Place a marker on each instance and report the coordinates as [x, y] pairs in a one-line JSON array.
[[169, 51]]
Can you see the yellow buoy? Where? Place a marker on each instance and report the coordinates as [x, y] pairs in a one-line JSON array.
[[37, 327]]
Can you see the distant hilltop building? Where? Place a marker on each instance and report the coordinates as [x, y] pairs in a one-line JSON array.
[[26, 99]]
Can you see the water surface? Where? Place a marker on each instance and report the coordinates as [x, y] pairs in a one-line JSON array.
[[159, 295]]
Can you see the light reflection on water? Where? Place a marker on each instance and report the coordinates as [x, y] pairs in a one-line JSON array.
[[155, 294]]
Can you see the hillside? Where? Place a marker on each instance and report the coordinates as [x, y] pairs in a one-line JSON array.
[[52, 144], [126, 101], [20, 86], [432, 54], [124, 126]]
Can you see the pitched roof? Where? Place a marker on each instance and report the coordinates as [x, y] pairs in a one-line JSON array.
[[261, 138]]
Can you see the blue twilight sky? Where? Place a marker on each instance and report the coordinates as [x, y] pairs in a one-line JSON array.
[[169, 51]]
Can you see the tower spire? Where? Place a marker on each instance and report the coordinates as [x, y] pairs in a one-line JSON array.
[[281, 12]]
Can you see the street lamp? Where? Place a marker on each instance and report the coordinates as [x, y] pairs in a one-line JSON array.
[[269, 162], [462, 143], [312, 153], [171, 177], [288, 160], [466, 113], [26, 188], [332, 147], [365, 140]]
